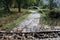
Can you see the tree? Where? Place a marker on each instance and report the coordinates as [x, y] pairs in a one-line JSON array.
[[55, 5], [8, 3], [41, 4], [29, 3], [20, 3], [51, 4]]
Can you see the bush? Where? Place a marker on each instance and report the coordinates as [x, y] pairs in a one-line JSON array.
[[54, 14], [51, 18]]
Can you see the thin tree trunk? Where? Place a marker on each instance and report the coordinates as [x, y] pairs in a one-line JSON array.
[[19, 7]]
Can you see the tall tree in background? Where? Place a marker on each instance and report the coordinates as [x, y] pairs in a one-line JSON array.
[[34, 2], [41, 4], [38, 2], [51, 4], [29, 3], [8, 3]]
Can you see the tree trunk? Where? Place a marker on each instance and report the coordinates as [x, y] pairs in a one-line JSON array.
[[19, 7], [6, 8]]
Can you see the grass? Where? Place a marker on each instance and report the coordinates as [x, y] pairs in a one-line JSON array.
[[10, 19], [10, 25], [16, 9]]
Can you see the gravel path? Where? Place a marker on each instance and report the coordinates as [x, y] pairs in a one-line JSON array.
[[29, 24]]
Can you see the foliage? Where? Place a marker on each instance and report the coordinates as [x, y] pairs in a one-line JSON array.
[[29, 3], [18, 3], [50, 4], [51, 17], [54, 14], [41, 4]]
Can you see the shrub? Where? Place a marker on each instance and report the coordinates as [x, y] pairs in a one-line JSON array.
[[54, 14]]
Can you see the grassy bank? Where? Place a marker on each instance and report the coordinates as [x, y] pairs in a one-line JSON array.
[[10, 19], [14, 23]]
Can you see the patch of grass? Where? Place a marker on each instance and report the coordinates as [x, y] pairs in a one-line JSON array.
[[16, 10], [10, 25], [43, 19]]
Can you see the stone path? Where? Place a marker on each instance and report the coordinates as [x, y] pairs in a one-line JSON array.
[[29, 24]]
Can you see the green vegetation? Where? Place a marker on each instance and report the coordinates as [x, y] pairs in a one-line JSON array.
[[10, 19], [52, 19], [41, 4], [14, 11], [7, 4], [50, 15], [12, 24], [55, 14]]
